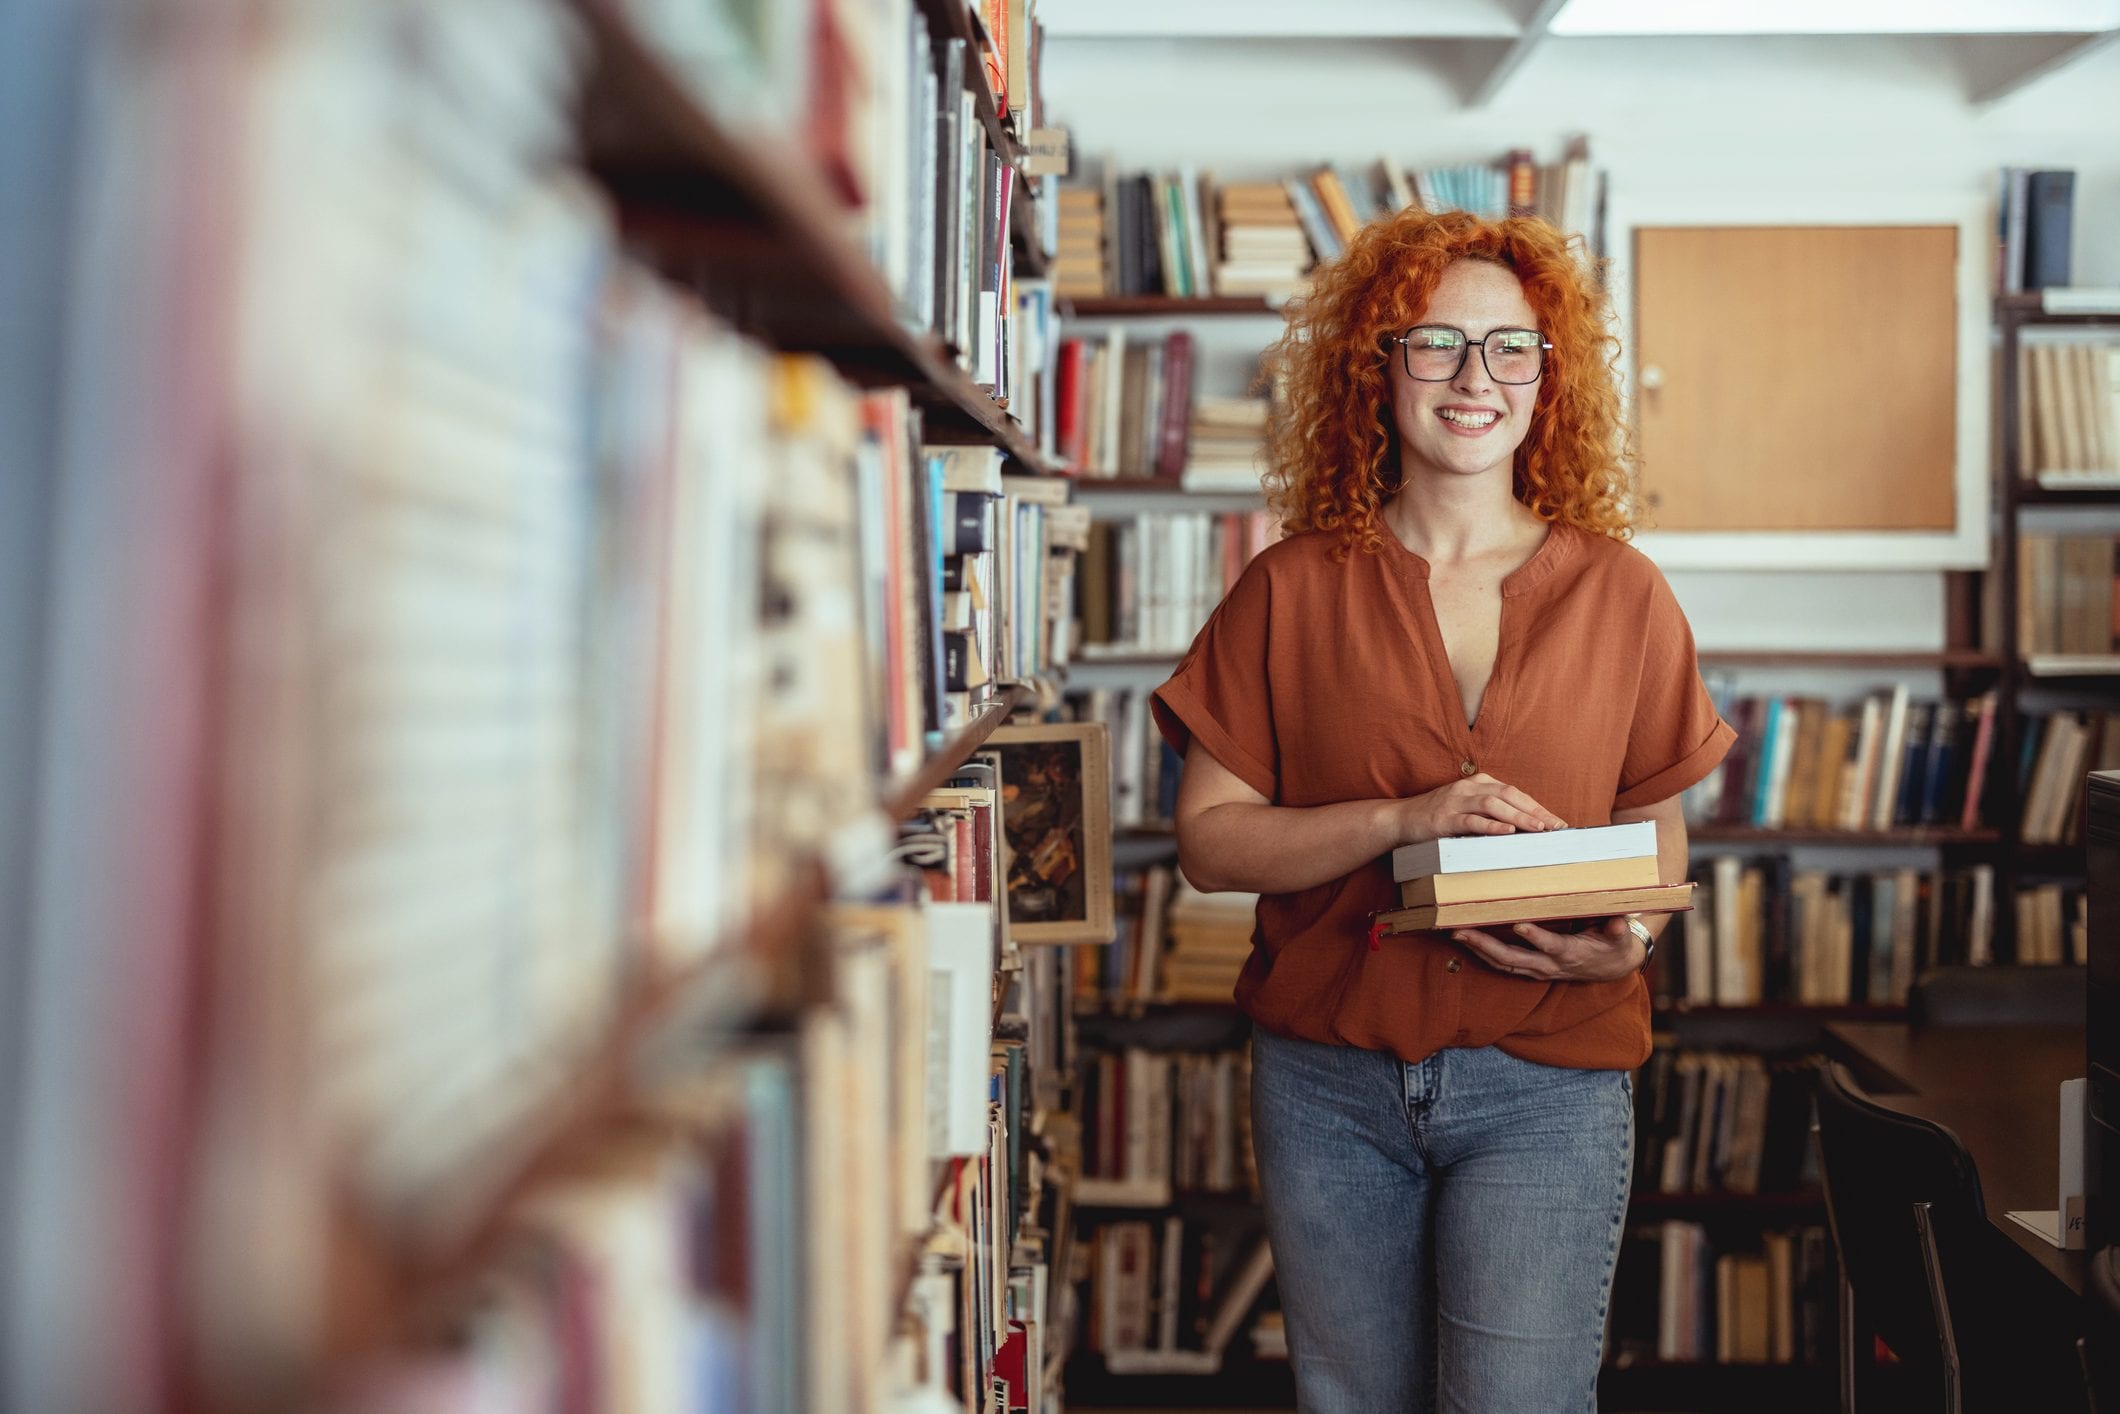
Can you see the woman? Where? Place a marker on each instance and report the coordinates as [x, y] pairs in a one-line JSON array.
[[1454, 639]]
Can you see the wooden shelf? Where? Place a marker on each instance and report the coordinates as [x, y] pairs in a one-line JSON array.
[[1182, 1201], [1850, 1011], [1094, 483], [905, 798], [1243, 1382], [1847, 658], [2030, 493], [383, 1288], [2034, 860], [2053, 666], [395, 1284], [749, 223], [1164, 306], [2029, 308], [1734, 1389], [1908, 838], [1671, 1203]]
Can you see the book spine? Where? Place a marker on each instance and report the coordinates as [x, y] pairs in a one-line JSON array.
[[1177, 404]]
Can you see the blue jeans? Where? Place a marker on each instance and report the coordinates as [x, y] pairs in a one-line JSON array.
[[1443, 1233]]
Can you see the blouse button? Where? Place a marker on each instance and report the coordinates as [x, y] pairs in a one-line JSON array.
[[1465, 767], [1453, 965]]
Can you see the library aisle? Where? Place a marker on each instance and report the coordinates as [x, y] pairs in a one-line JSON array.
[[580, 583]]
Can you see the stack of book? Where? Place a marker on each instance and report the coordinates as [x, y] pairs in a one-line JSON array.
[[1208, 939], [1226, 437], [2068, 425], [1264, 251], [1078, 265], [2067, 604], [1475, 880]]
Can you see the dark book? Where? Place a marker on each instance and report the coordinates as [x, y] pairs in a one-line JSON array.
[[949, 187], [1777, 952], [1862, 904], [966, 521], [1174, 430], [2050, 214], [1914, 753], [1745, 717]]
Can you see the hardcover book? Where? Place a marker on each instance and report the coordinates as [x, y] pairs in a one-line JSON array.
[[1466, 853]]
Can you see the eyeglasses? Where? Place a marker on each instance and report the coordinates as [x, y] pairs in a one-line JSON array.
[[1435, 353]]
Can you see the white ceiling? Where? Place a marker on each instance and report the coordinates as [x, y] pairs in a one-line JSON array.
[[1999, 46]]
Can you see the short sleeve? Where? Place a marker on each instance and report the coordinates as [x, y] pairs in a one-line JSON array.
[[1676, 738], [1219, 695]]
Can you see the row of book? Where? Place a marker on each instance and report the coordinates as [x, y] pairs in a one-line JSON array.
[[1005, 583], [2068, 409], [1885, 762], [784, 1189], [1722, 1122], [1145, 768], [2059, 751], [1168, 1296], [1173, 944], [2068, 595], [1682, 1295], [1127, 407], [1182, 234], [1762, 930], [886, 109], [2035, 216], [1156, 1123], [1148, 582]]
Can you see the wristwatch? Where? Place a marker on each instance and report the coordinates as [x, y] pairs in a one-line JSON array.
[[1641, 930]]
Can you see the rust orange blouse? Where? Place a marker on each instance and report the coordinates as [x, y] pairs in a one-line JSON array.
[[1319, 681]]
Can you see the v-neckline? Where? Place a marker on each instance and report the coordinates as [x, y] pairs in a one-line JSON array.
[[1494, 697]]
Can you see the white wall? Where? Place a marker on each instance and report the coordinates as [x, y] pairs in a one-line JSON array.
[[1778, 120]]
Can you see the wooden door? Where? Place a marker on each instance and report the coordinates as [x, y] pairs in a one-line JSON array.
[[1797, 378]]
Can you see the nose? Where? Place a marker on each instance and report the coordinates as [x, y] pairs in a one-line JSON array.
[[1472, 377]]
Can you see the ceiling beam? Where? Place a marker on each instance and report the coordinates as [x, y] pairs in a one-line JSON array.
[[1482, 87], [2025, 62]]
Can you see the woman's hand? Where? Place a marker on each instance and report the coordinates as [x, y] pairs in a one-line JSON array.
[[1604, 953], [1476, 805]]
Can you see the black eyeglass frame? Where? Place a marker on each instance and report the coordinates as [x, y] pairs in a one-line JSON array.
[[1545, 346]]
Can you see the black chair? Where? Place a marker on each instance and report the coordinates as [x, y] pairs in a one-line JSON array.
[[2100, 1346], [1918, 1263], [1998, 996]]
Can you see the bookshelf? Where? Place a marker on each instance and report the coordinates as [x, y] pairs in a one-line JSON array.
[[2053, 420], [559, 696]]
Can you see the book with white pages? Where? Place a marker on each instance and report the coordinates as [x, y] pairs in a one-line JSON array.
[[1523, 850]]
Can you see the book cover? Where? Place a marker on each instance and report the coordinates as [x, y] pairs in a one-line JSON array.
[[1636, 872], [1591, 903], [1466, 853]]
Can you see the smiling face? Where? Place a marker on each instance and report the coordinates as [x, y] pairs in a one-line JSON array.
[[1469, 425]]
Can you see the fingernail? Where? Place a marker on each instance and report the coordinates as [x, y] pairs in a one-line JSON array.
[[1457, 937], [1523, 930]]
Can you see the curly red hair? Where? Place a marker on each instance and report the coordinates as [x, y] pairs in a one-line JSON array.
[[1332, 453]]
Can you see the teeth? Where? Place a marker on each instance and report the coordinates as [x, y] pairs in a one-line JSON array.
[[1467, 419]]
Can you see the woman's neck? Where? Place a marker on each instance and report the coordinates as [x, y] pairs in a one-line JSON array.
[[1446, 521]]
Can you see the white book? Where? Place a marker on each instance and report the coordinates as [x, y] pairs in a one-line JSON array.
[[1466, 853], [1885, 793], [960, 1026]]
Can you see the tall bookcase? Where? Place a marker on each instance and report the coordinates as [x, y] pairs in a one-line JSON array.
[[524, 433]]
